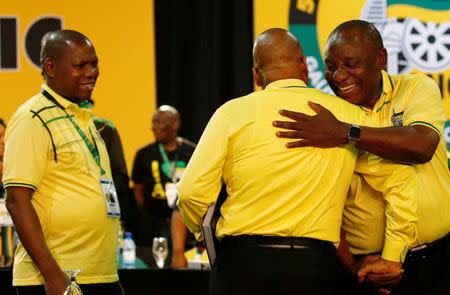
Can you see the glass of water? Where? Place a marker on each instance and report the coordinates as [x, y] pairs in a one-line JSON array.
[[160, 250], [73, 288]]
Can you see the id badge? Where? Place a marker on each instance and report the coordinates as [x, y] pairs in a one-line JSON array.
[[110, 196], [5, 218], [171, 194]]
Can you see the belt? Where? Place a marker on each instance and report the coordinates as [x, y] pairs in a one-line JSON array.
[[275, 242], [424, 250]]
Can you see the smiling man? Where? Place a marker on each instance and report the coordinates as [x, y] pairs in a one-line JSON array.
[[408, 112], [57, 176]]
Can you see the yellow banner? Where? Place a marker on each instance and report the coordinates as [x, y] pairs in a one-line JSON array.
[[123, 37]]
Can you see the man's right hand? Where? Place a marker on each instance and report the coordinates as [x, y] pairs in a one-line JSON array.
[[322, 130], [56, 282]]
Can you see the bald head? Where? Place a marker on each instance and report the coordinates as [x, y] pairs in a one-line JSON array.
[[277, 54], [170, 112], [165, 124]]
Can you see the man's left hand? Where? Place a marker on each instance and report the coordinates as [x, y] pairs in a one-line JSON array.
[[322, 130], [382, 274]]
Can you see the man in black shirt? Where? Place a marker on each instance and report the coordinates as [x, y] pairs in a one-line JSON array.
[[157, 167]]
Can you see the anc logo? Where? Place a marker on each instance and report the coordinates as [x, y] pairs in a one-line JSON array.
[[416, 34], [397, 118]]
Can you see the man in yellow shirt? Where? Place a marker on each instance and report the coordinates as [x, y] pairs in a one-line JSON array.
[[57, 176], [280, 222], [408, 112]]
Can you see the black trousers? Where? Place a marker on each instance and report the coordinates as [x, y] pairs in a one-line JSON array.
[[250, 265], [87, 289], [427, 271]]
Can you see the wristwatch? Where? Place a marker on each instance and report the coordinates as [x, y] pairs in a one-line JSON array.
[[353, 134]]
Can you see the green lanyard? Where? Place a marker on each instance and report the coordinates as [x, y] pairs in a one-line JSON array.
[[171, 165], [92, 147]]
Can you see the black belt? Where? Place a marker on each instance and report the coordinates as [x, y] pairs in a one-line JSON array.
[[426, 249], [275, 242]]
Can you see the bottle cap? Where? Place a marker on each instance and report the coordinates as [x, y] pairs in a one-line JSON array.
[[128, 235]]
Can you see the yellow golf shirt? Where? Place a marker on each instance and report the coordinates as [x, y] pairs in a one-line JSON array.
[[273, 190], [67, 196], [406, 100]]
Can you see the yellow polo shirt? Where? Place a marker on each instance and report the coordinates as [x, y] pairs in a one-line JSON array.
[[406, 100], [273, 190], [67, 193]]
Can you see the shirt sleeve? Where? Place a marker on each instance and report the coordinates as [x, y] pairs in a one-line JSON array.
[[26, 153], [424, 106], [398, 185], [200, 184]]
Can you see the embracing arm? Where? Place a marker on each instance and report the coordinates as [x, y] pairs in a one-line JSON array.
[[26, 221], [408, 144], [178, 232], [398, 186], [345, 256]]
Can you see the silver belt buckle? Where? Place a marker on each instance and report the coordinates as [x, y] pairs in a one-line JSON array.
[[418, 248]]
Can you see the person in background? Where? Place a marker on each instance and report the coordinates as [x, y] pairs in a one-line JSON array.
[[156, 169], [8, 237], [280, 223], [410, 120], [57, 176]]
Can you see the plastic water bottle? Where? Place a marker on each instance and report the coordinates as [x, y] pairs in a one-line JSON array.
[[128, 251]]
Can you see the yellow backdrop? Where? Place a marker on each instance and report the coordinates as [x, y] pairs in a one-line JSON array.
[[123, 36]]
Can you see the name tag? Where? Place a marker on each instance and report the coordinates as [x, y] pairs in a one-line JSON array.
[[110, 196], [171, 194]]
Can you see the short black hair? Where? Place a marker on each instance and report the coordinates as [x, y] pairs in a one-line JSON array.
[[55, 43], [368, 30]]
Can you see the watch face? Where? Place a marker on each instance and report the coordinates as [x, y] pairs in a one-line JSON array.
[[354, 133]]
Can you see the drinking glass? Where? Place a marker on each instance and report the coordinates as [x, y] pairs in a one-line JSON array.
[[160, 250], [73, 288]]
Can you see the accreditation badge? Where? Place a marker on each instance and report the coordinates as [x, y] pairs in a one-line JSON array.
[[110, 196], [171, 194], [5, 218]]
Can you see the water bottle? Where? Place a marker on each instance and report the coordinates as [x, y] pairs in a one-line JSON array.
[[128, 251]]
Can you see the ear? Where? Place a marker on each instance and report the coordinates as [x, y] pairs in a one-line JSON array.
[[257, 77], [305, 70], [49, 67], [382, 59]]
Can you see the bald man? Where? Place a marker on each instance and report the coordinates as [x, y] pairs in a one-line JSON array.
[[410, 116], [156, 169], [58, 178], [279, 226]]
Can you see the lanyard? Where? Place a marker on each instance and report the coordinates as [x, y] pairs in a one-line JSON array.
[[172, 165], [93, 149]]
